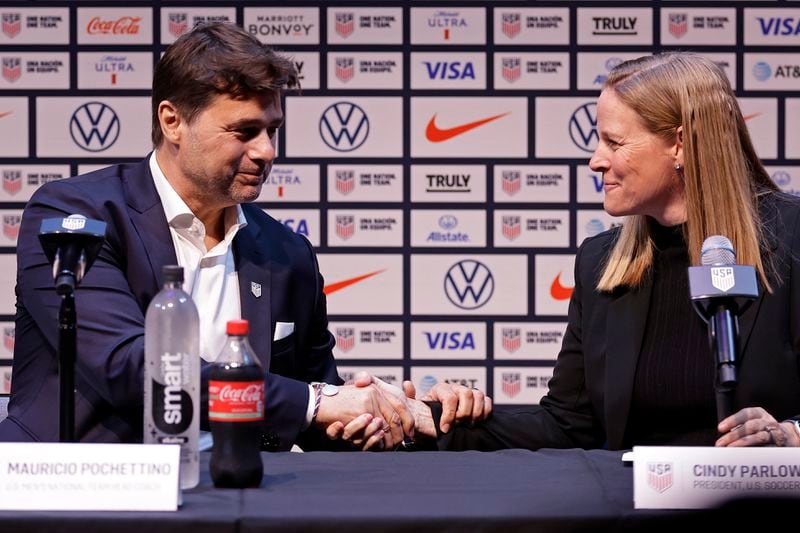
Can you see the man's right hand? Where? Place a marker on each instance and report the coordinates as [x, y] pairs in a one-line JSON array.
[[351, 402]]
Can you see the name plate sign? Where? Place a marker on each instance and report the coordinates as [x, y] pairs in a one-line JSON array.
[[670, 477], [89, 477]]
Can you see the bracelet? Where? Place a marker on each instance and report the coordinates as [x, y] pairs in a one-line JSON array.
[[317, 399]]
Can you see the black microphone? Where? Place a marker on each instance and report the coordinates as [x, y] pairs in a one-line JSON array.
[[720, 291], [71, 245]]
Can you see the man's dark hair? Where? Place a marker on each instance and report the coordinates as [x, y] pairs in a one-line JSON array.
[[214, 59]]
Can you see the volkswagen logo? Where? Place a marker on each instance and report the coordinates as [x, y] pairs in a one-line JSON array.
[[781, 178], [344, 126], [94, 126], [583, 127], [469, 284]]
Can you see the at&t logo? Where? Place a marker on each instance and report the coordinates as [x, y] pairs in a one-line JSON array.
[[469, 284], [94, 126], [344, 126], [583, 127]]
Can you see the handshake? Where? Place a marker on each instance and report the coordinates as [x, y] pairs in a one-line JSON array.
[[375, 415]]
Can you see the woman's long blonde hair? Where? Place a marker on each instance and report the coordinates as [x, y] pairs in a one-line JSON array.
[[722, 174]]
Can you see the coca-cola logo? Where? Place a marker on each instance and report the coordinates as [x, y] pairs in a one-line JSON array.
[[251, 393], [121, 26]]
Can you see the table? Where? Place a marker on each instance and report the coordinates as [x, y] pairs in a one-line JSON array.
[[511, 490]]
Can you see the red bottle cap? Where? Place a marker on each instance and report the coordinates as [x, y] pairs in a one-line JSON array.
[[238, 327]]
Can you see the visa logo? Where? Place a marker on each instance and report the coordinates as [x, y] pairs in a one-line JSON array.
[[446, 70], [442, 340], [298, 226], [779, 26]]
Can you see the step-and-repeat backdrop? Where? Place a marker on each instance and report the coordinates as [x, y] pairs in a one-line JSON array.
[[436, 158]]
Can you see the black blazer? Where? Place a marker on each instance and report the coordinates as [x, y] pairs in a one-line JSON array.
[[589, 396], [112, 300]]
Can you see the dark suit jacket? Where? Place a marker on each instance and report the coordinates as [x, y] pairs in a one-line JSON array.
[[589, 397], [112, 300]]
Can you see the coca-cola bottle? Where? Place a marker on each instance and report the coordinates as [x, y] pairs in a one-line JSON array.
[[236, 412]]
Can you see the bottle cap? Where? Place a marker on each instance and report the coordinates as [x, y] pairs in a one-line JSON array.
[[238, 327], [172, 273]]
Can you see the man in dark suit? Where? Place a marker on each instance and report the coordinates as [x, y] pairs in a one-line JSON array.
[[216, 110]]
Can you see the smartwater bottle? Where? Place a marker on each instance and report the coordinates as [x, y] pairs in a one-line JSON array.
[[172, 373]]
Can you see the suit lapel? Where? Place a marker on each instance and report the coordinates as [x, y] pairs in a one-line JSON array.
[[625, 323], [149, 220], [254, 288]]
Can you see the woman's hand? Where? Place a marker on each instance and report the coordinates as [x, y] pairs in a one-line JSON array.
[[753, 426]]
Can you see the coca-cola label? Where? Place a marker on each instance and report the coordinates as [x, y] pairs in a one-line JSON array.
[[235, 401], [122, 25]]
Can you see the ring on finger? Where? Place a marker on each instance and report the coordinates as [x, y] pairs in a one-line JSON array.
[[768, 428]]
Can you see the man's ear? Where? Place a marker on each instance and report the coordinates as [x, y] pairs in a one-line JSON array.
[[170, 121]]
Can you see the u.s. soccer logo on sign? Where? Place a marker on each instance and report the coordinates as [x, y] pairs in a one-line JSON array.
[[345, 226], [512, 182], [11, 226], [659, 476], [8, 338], [722, 278], [511, 339], [345, 339], [511, 24], [178, 24], [344, 68], [511, 383], [12, 181], [678, 24], [511, 227], [345, 181], [344, 126], [12, 24], [583, 127], [12, 68], [94, 126], [344, 24], [469, 284], [511, 69]]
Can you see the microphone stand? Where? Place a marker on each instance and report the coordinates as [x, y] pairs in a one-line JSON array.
[[67, 349], [724, 334]]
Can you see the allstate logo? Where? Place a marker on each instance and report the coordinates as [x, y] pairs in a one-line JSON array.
[[762, 71], [94, 126], [344, 126], [781, 178], [583, 127], [448, 222], [469, 284], [594, 226], [612, 62]]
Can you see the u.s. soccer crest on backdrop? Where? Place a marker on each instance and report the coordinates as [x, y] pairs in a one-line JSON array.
[[512, 182], [11, 226], [512, 339], [511, 383], [8, 338], [659, 476], [345, 69], [511, 68], [12, 181], [722, 278], [345, 226], [12, 68], [178, 24], [511, 227], [345, 339], [12, 24], [511, 24], [678, 24], [345, 181], [344, 24]]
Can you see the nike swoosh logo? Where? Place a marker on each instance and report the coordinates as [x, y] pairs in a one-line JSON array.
[[558, 291], [339, 285], [435, 134], [5, 113], [748, 117]]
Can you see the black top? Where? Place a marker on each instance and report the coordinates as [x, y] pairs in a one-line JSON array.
[[673, 400]]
